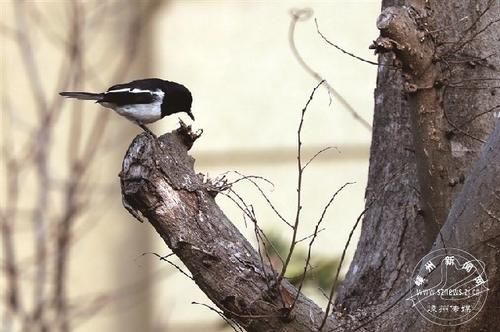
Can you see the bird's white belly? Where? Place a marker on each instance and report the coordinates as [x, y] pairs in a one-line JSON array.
[[143, 113]]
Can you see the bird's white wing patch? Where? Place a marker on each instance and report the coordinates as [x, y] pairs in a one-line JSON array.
[[118, 90], [143, 113], [157, 92]]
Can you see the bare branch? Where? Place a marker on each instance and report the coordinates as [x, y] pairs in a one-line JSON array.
[[315, 234], [233, 325], [264, 195], [459, 129], [319, 153], [165, 258], [300, 171], [474, 117], [302, 15], [475, 35], [27, 52], [334, 284], [181, 212], [341, 49], [261, 237]]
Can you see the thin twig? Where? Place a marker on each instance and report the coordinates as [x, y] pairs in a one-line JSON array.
[[249, 213], [71, 207], [341, 49], [311, 243], [246, 177], [43, 138], [319, 153], [27, 55], [315, 233], [260, 236], [474, 117], [268, 200], [221, 315], [476, 21], [451, 123], [13, 304], [334, 284], [165, 258], [392, 305], [300, 171], [302, 15], [368, 205], [462, 45]]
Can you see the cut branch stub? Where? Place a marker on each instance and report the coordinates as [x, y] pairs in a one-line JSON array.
[[400, 33], [159, 185]]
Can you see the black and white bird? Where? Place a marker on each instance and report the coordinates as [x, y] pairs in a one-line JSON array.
[[142, 101]]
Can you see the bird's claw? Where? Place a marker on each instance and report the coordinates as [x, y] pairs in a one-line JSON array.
[[147, 130]]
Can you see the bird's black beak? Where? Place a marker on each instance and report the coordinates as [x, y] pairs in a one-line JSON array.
[[190, 114]]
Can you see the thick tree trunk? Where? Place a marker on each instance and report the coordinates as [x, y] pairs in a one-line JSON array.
[[473, 225], [423, 140]]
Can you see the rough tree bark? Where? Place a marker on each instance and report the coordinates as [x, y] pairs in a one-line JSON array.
[[432, 117], [422, 145], [159, 184]]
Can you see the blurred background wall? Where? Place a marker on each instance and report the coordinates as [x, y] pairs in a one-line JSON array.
[[72, 258]]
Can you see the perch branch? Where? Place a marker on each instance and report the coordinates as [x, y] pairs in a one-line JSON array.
[[159, 183]]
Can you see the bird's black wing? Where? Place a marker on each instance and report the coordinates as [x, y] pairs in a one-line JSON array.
[[124, 97], [143, 84]]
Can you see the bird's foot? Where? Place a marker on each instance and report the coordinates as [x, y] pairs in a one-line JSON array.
[[147, 130]]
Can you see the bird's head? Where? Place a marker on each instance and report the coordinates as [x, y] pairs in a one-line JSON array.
[[178, 99]]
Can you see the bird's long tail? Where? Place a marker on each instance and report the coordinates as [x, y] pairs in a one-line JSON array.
[[82, 95]]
